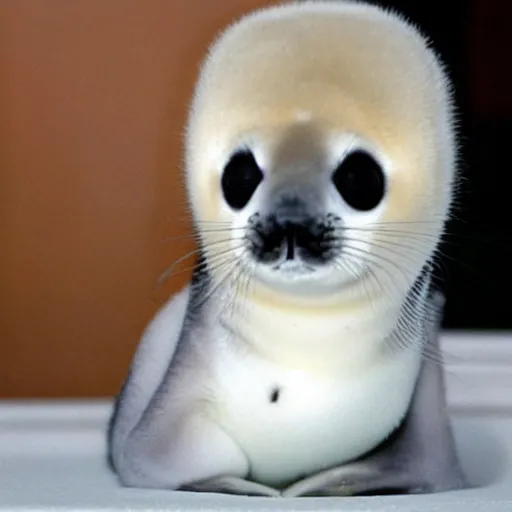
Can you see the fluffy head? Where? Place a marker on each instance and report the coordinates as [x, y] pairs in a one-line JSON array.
[[319, 150]]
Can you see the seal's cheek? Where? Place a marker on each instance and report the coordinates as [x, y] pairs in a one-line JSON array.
[[206, 197], [416, 191]]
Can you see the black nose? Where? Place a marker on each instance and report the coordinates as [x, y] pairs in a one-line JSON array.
[[277, 237], [290, 235], [301, 236]]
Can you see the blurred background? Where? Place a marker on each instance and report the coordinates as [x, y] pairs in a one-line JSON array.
[[93, 97]]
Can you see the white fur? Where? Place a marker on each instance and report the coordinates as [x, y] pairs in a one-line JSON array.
[[357, 77], [318, 422], [369, 82], [323, 77], [340, 394], [153, 356]]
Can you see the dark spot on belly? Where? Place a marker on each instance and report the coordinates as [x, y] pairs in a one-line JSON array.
[[274, 395]]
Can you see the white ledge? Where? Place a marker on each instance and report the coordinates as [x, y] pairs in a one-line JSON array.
[[478, 372], [52, 454]]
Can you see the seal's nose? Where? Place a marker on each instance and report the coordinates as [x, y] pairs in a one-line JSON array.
[[292, 231], [290, 212], [290, 240]]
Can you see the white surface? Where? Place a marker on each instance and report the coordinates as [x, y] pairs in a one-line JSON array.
[[52, 454]]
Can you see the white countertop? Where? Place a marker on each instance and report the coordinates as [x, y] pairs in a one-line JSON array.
[[52, 454]]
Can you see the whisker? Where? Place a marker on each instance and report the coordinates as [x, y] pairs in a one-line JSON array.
[[410, 258], [203, 222], [412, 251], [364, 254], [169, 271], [434, 220], [222, 281], [210, 265], [242, 281], [413, 310], [445, 234], [398, 232]]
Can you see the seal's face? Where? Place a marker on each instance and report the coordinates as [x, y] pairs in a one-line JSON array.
[[320, 151], [295, 206]]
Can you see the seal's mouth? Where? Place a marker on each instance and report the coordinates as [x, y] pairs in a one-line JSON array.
[[294, 267]]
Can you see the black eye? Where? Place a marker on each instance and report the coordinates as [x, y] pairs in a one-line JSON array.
[[240, 179], [360, 181]]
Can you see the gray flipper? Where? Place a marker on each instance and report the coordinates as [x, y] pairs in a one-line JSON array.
[[232, 485], [151, 360], [160, 435], [419, 457]]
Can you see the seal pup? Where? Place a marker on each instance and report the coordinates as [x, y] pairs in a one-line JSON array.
[[320, 169]]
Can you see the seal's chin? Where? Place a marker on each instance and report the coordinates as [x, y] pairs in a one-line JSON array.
[[305, 279], [295, 275], [293, 268]]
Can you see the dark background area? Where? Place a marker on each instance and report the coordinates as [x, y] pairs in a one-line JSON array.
[[474, 40]]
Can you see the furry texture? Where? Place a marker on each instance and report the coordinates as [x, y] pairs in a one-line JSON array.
[[257, 375]]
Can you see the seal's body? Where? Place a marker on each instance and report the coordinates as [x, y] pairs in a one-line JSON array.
[[320, 170]]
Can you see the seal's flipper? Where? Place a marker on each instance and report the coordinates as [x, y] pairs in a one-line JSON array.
[[160, 435], [151, 360], [232, 485], [338, 481], [419, 457], [176, 444]]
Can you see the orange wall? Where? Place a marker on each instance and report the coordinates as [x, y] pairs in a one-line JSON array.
[[93, 96]]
